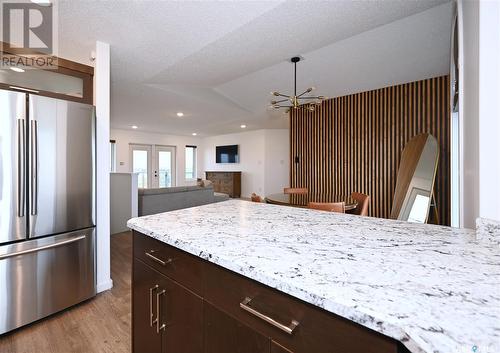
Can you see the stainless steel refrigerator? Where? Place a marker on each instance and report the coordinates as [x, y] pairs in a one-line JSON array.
[[47, 206]]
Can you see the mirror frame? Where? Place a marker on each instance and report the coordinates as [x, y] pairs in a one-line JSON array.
[[410, 158]]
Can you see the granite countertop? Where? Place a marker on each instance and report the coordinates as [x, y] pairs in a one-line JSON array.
[[436, 289]]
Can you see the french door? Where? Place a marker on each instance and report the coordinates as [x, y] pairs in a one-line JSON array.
[[140, 160], [154, 164], [164, 167]]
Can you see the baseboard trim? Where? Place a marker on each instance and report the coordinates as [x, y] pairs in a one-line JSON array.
[[104, 286]]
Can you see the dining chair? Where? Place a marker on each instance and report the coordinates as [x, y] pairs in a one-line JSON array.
[[298, 191], [255, 198], [328, 206], [363, 201]]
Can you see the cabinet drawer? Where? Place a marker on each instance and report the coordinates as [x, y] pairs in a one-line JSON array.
[[317, 331], [176, 264]]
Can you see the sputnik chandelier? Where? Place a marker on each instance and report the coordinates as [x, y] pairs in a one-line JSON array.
[[295, 101]]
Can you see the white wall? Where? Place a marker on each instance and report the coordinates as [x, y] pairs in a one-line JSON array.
[[125, 137], [102, 103], [264, 159], [479, 113], [277, 160]]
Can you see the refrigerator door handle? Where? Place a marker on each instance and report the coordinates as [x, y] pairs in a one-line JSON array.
[[21, 175], [34, 167], [43, 247]]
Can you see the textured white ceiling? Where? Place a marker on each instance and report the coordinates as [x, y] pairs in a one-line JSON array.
[[217, 61]]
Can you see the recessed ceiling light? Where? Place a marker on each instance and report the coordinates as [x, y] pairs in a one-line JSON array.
[[194, 134], [134, 126], [180, 114], [17, 69], [243, 126]]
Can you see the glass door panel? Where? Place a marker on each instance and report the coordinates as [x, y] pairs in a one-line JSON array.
[[141, 164], [165, 166]]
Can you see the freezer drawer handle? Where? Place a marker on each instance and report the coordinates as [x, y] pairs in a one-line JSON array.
[[43, 247], [21, 185], [151, 315], [154, 258], [288, 329], [158, 312]]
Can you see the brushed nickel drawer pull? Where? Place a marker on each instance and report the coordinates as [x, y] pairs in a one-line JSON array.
[[158, 312], [151, 315], [288, 329], [154, 258]]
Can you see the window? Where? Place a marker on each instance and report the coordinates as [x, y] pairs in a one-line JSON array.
[[190, 162], [112, 159]]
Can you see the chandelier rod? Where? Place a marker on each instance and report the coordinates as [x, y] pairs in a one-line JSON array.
[[295, 79]]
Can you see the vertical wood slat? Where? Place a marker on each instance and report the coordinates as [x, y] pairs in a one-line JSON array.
[[354, 143]]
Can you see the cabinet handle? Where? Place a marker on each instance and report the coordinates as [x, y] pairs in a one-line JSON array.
[[288, 329], [151, 315], [158, 311], [154, 258]]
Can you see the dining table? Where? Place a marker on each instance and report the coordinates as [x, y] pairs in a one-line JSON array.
[[302, 200]]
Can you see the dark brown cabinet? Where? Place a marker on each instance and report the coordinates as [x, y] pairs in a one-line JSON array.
[[223, 334], [166, 317], [146, 283], [226, 182], [276, 348], [183, 304]]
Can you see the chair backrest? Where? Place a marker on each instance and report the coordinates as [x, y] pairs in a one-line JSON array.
[[328, 206], [300, 191], [363, 203], [256, 198]]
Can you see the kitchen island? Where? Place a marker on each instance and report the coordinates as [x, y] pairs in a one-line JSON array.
[[432, 288]]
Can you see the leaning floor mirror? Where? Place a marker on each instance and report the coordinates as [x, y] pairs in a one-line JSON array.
[[415, 180]]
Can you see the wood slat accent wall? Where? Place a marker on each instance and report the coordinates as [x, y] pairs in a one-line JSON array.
[[354, 143]]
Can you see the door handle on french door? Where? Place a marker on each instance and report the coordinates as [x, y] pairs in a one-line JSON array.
[[34, 167], [21, 159]]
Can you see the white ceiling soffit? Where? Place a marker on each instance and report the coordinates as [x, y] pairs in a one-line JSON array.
[[217, 61], [406, 50], [293, 27], [148, 36]]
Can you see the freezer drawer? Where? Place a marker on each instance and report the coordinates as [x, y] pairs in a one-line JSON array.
[[40, 277]]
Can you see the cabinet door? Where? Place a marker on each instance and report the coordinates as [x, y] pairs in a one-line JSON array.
[[181, 312], [223, 334], [146, 283]]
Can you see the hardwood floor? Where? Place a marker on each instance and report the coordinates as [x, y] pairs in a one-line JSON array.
[[101, 324]]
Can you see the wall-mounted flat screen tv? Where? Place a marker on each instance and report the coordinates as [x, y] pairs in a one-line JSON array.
[[227, 154]]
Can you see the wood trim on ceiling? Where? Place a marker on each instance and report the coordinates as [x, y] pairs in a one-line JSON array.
[[61, 63]]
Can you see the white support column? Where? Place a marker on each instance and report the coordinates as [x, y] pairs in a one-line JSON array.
[[102, 102], [480, 110]]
